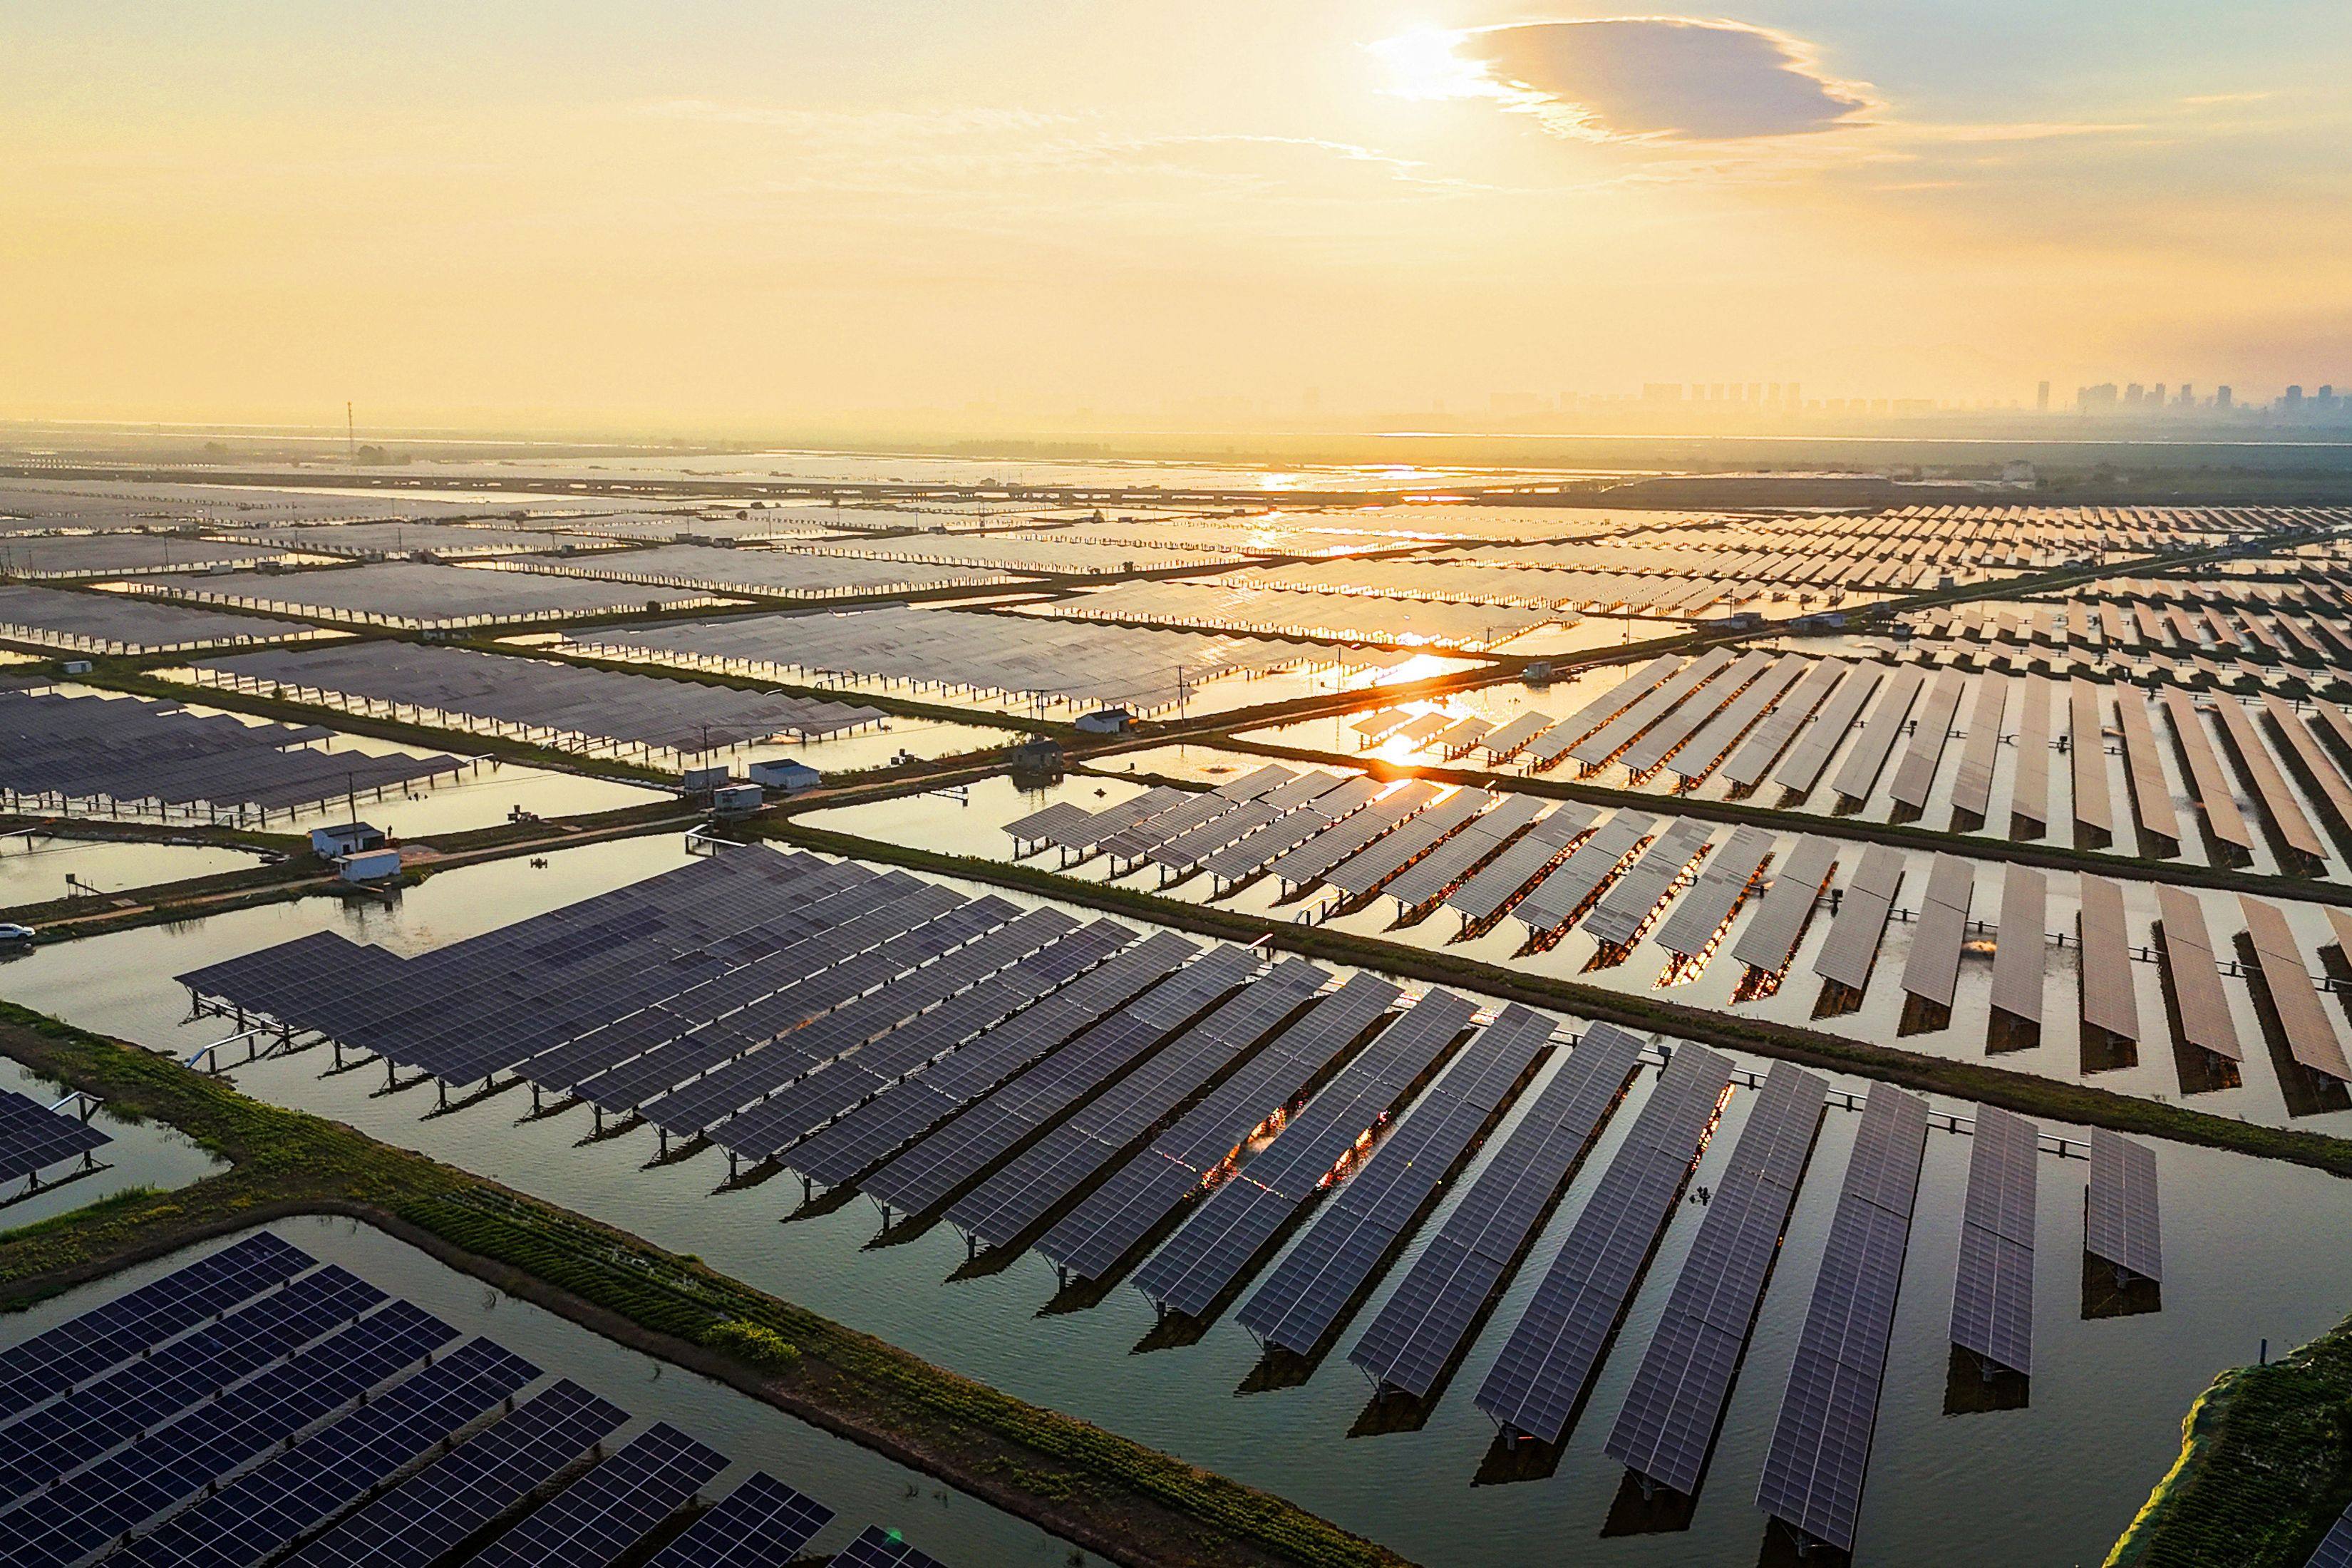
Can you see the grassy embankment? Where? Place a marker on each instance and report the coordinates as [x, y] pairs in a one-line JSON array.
[[1115, 1497]]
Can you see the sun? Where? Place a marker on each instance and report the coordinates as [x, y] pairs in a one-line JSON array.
[[1422, 64]]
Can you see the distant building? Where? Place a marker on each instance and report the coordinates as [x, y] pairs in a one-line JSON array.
[[785, 774], [2042, 397], [372, 865], [2293, 401], [1036, 757], [695, 781], [2092, 399], [1106, 722], [345, 838], [737, 800], [2221, 397]]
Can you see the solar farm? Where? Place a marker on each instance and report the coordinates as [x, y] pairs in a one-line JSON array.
[[256, 1405], [1529, 1031], [1081, 1088]]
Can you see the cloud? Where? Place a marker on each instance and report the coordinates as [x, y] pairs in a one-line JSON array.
[[1645, 79]]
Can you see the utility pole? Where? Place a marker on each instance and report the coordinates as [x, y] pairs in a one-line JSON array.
[[351, 435]]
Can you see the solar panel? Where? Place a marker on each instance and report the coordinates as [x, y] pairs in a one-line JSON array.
[[1820, 741], [270, 1508], [1350, 1242], [140, 1319], [1672, 733], [426, 1517], [2030, 789], [32, 1137], [2119, 1214], [878, 1548], [1625, 910], [1813, 1471], [1697, 756], [1308, 862], [1858, 773], [1992, 1301], [1703, 911], [2311, 1036], [1141, 1193], [1914, 774], [1851, 948], [1242, 1215], [1507, 741], [2205, 1020], [1426, 1320], [1932, 973], [1770, 940], [1972, 783], [2222, 817], [1675, 1405], [2284, 811], [762, 1523], [1541, 1373], [1558, 898], [1360, 873], [1620, 733], [44, 1443], [940, 1163], [1070, 1154], [597, 1518], [1771, 736], [2108, 1002], [1481, 836], [971, 1069], [131, 1485], [2151, 792], [2021, 947]]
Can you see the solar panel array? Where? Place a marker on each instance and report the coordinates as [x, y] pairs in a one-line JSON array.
[[942, 651], [1858, 773], [1303, 1299], [1423, 1326], [1245, 1212], [1540, 1378], [1932, 973], [564, 703], [116, 624], [1851, 948], [1070, 1153], [32, 1137], [1312, 860], [1451, 859], [2205, 1019], [1624, 911], [1802, 769], [1140, 1194], [324, 1425], [2335, 1549], [72, 751], [1769, 941], [1820, 1452], [2119, 1215], [1703, 911], [1993, 1302], [2311, 1035], [1564, 893], [2018, 960], [421, 597], [1667, 1427]]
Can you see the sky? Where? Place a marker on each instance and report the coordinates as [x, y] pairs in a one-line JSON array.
[[721, 218]]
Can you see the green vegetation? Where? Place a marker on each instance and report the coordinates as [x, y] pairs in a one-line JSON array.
[[2265, 1467], [1110, 1495]]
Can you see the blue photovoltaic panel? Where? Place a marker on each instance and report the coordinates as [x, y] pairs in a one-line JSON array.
[[43, 1444], [1821, 1445], [880, 1128], [32, 1137], [943, 1161], [422, 1518], [878, 1548], [142, 1319], [269, 1509], [1545, 1365], [1992, 1299], [762, 1523], [1240, 1216], [598, 1517], [1067, 1157], [1426, 1320], [1303, 1299], [131, 1485], [1117, 1215], [1677, 1399]]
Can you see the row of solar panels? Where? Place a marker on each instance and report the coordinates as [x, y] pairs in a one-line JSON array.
[[133, 751], [257, 1406]]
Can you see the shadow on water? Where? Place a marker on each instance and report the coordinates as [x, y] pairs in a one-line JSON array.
[[1973, 1385]]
